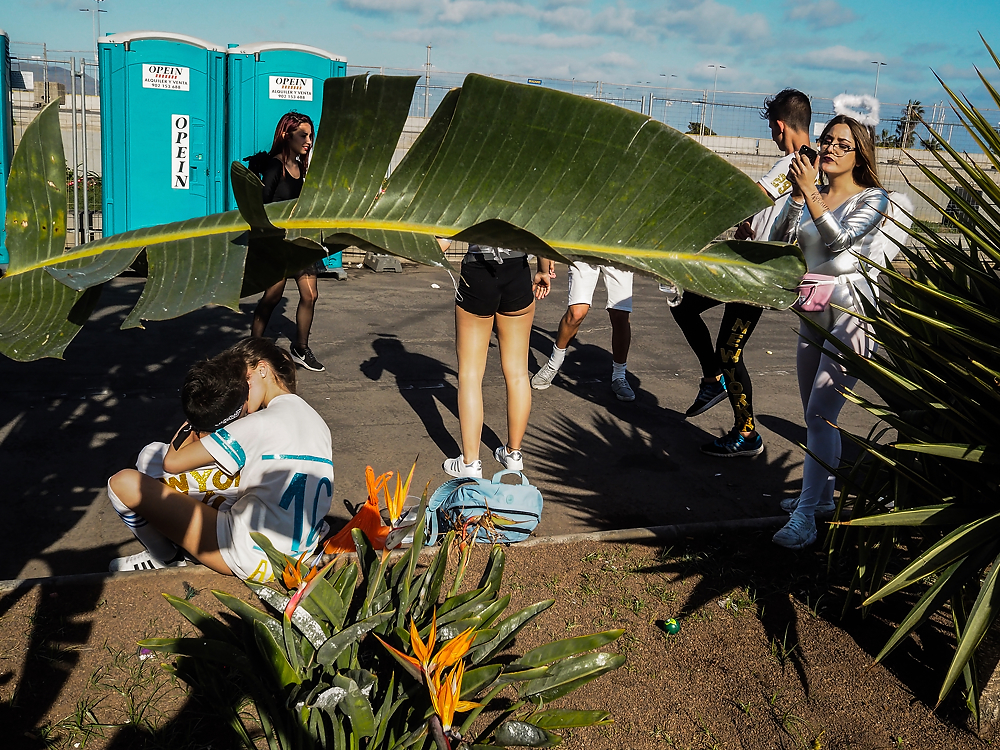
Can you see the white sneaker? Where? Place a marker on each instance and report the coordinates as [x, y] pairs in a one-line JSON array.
[[457, 467], [544, 377], [142, 561], [623, 390], [823, 509], [512, 460], [799, 532]]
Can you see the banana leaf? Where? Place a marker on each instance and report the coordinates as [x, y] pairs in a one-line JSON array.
[[558, 175]]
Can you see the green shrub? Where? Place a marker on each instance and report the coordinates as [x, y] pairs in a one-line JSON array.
[[924, 506]]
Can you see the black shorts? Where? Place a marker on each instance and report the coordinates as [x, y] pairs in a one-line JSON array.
[[488, 287]]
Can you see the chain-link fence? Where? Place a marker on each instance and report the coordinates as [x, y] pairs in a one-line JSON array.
[[727, 122], [40, 76]]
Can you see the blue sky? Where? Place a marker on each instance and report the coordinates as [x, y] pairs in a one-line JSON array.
[[823, 47]]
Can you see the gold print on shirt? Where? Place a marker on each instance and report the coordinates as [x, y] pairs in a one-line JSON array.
[[262, 573], [203, 477]]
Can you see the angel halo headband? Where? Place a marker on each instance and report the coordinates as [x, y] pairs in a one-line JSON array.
[[862, 108]]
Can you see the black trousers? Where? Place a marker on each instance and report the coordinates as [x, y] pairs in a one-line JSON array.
[[738, 322]]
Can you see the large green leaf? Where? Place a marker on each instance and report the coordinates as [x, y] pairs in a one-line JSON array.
[[569, 674], [556, 650], [38, 315], [557, 174]]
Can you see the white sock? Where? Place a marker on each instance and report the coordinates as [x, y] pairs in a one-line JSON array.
[[618, 370], [156, 543], [558, 355]]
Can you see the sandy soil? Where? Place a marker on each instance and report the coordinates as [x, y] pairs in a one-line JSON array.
[[763, 658]]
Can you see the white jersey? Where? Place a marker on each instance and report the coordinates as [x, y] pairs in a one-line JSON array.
[[775, 184], [210, 484], [284, 456]]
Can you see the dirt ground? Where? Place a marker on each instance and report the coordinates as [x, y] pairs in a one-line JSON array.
[[763, 658]]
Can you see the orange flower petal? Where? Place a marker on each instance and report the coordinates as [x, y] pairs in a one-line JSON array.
[[453, 651], [411, 664], [421, 651]]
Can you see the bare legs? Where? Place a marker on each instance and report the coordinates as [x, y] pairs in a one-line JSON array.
[[569, 324], [308, 294], [621, 330], [621, 335], [182, 519], [513, 333], [472, 341]]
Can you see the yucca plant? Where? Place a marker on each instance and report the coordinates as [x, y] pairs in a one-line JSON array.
[[348, 656], [930, 491]]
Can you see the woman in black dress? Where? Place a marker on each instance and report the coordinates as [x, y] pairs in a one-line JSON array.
[[282, 176]]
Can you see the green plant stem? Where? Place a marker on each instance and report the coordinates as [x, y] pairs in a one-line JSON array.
[[437, 732], [476, 711], [463, 561]]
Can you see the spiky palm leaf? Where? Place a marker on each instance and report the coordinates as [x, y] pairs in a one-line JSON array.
[[934, 490]]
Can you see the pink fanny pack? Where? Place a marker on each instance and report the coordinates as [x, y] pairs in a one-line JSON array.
[[815, 291]]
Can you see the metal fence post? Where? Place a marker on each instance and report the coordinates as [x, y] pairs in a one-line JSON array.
[[86, 174], [76, 186]]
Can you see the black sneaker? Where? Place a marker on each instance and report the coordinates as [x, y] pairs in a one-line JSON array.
[[708, 396], [733, 445], [306, 358]]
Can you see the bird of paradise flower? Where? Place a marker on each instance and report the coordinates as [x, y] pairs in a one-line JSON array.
[[441, 671]]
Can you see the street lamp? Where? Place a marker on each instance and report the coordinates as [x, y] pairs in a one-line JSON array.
[[878, 66], [97, 23], [715, 88], [666, 98]]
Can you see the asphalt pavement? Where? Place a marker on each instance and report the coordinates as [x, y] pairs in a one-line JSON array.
[[389, 395]]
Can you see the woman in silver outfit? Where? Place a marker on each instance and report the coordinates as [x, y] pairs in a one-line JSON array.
[[833, 225]]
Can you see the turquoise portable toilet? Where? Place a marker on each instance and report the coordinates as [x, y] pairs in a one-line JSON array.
[[6, 140], [162, 129], [264, 81]]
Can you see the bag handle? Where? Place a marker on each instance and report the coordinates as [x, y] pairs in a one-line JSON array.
[[437, 499], [496, 477], [441, 494]]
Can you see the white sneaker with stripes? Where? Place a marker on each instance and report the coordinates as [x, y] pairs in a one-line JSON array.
[[142, 561]]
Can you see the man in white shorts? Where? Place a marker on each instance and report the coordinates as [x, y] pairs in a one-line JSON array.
[[582, 283]]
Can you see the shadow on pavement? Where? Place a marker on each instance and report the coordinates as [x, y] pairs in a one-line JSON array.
[[65, 428]]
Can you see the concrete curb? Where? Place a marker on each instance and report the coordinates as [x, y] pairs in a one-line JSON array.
[[641, 534]]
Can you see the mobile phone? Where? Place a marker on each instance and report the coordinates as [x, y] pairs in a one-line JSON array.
[[809, 153]]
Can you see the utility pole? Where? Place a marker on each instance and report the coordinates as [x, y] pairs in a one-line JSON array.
[[715, 88], [427, 82]]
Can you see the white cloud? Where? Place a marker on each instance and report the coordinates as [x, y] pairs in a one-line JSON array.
[[387, 6], [711, 22], [617, 59], [549, 41], [418, 35], [819, 14], [462, 11], [837, 57]]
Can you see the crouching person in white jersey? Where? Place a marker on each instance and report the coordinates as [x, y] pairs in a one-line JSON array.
[[281, 450]]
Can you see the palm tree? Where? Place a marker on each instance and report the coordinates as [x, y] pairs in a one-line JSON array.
[[912, 113]]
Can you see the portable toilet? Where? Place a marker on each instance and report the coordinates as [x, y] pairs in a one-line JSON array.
[[264, 82], [162, 129], [6, 140]]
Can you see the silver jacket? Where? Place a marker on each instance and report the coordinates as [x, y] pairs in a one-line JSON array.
[[832, 243]]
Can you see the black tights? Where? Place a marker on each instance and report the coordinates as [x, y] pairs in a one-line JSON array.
[[303, 313], [738, 322]]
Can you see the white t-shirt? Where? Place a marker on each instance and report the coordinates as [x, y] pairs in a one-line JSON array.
[[775, 184], [210, 484], [284, 456]]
